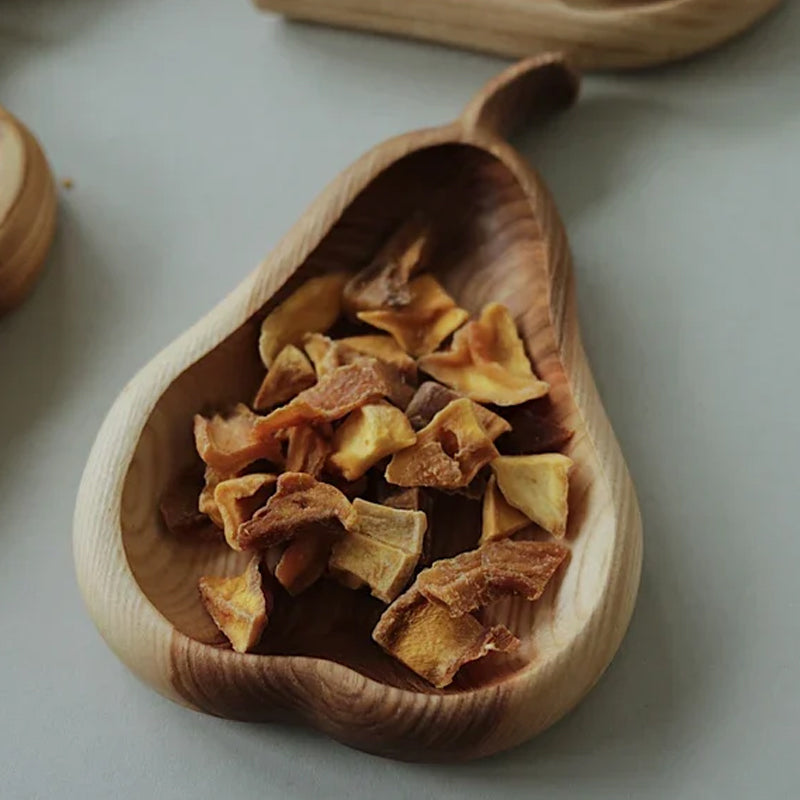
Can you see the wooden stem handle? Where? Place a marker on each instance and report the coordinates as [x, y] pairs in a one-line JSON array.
[[530, 90]]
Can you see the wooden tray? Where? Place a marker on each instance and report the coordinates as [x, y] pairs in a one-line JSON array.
[[596, 34], [27, 210], [501, 239]]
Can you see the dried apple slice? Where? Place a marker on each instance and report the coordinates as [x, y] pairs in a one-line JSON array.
[[425, 322], [385, 349], [500, 520], [206, 503], [479, 577], [237, 605], [338, 393], [238, 498], [538, 486], [230, 443], [430, 398], [290, 373], [380, 549], [448, 453], [533, 430], [300, 503], [428, 640], [309, 448], [384, 282], [487, 361], [304, 560], [314, 306], [369, 434]]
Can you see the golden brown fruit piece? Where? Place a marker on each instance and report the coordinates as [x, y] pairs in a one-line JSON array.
[[385, 349], [479, 577], [423, 636], [206, 502], [533, 430], [327, 354], [179, 508], [304, 561], [425, 322], [369, 434], [230, 443], [238, 498], [430, 398], [384, 282], [299, 504], [337, 394], [487, 361], [237, 605], [314, 306], [538, 486], [309, 448], [500, 520], [380, 549], [290, 373], [448, 453]]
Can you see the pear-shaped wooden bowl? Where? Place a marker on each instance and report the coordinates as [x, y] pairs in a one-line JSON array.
[[596, 34], [500, 239], [27, 210]]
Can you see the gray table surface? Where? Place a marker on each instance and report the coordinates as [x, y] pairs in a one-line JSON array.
[[195, 133]]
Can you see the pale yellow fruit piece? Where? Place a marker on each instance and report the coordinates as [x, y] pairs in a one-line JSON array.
[[315, 306], [422, 325], [538, 486], [237, 605], [500, 520], [369, 433], [237, 499]]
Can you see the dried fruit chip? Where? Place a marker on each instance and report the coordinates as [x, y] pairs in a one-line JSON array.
[[401, 528], [424, 637], [414, 498], [290, 373], [358, 560], [425, 322], [325, 354], [315, 306], [179, 508], [538, 486], [477, 578], [238, 498], [299, 505], [487, 361], [384, 282], [206, 503], [432, 397], [304, 561], [237, 605], [369, 433], [309, 447], [448, 452], [533, 430], [337, 394], [385, 349], [229, 444], [500, 520]]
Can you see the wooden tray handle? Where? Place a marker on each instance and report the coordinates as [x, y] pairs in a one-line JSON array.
[[528, 91]]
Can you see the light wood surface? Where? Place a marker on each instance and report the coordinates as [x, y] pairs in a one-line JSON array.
[[27, 210], [501, 240], [596, 34]]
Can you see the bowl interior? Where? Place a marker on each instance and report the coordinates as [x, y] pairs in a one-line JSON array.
[[490, 247]]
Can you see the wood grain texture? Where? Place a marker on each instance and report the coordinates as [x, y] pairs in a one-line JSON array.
[[595, 34], [500, 239], [27, 210]]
